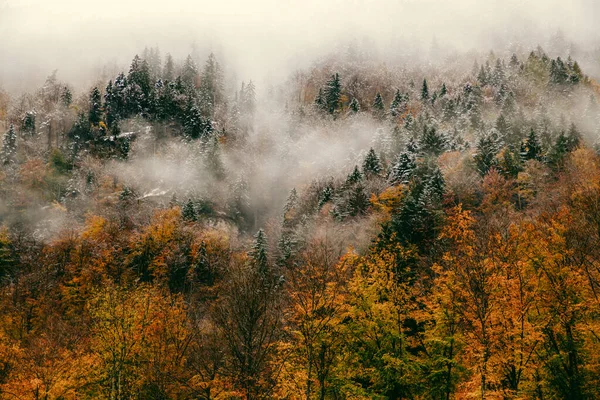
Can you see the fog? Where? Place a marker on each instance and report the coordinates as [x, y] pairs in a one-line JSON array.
[[268, 39]]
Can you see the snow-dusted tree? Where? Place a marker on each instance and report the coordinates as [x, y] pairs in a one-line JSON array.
[[403, 168], [371, 165], [9, 145], [333, 93], [378, 106]]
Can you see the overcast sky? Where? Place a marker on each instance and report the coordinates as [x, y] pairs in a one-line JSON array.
[[265, 37]]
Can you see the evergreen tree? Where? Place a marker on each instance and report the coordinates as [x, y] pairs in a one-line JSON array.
[[326, 196], [378, 106], [358, 202], [169, 69], [354, 106], [531, 149], [66, 97], [258, 254], [333, 93], [28, 123], [320, 103], [211, 86], [354, 177], [248, 98], [95, 114], [189, 72], [396, 106], [573, 136], [488, 147], [443, 90], [424, 90], [9, 145], [212, 159], [556, 155], [188, 213], [371, 165], [403, 168], [432, 142]]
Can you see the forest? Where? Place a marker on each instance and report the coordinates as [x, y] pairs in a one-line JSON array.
[[360, 230]]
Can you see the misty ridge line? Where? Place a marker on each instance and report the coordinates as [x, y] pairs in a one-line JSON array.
[[293, 144]]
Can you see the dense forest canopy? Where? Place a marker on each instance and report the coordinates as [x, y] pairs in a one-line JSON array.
[[366, 227]]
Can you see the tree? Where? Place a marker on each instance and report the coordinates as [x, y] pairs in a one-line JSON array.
[[333, 93], [531, 149], [95, 114], [189, 211], [398, 105], [9, 145], [354, 106], [189, 73], [169, 69], [378, 106], [488, 146], [424, 91], [371, 165], [403, 168], [443, 90], [432, 142]]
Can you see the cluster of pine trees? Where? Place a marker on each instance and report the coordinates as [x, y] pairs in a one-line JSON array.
[[455, 256]]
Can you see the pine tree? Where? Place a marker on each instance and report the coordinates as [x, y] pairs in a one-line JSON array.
[[333, 93], [169, 69], [211, 86], [531, 149], [556, 155], [188, 213], [9, 145], [66, 97], [212, 159], [358, 202], [443, 90], [189, 72], [488, 147], [95, 114], [371, 165], [424, 90], [354, 106], [320, 101], [378, 106], [28, 122], [354, 177], [258, 254], [432, 142], [573, 136], [396, 106], [403, 168]]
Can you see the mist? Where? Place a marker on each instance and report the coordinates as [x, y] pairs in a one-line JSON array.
[[267, 40]]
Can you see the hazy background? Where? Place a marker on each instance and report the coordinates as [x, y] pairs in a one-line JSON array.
[[270, 38]]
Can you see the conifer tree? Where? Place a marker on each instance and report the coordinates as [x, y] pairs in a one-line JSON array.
[[424, 91], [432, 142], [354, 177], [395, 107], [403, 168], [333, 93], [95, 114], [259, 253], [378, 106], [488, 146], [531, 149], [9, 145], [168, 74], [443, 90], [371, 165], [354, 106], [188, 213]]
